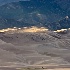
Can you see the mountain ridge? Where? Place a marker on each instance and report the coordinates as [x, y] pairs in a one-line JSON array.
[[31, 14]]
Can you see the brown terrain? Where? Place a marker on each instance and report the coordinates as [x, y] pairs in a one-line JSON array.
[[34, 48]]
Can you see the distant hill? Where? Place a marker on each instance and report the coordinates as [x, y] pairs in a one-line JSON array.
[[9, 23], [61, 24], [3, 2], [35, 13]]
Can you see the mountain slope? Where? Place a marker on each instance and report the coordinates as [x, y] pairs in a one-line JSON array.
[[61, 24], [35, 13], [3, 2], [32, 12]]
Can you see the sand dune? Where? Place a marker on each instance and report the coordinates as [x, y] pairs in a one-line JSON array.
[[35, 49]]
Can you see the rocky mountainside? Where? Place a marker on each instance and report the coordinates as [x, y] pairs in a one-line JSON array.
[[35, 13], [61, 24]]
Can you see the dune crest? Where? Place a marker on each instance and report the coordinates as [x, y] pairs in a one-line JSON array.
[[25, 29]]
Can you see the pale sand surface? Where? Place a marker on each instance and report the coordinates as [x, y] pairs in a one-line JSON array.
[[34, 50], [58, 69]]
